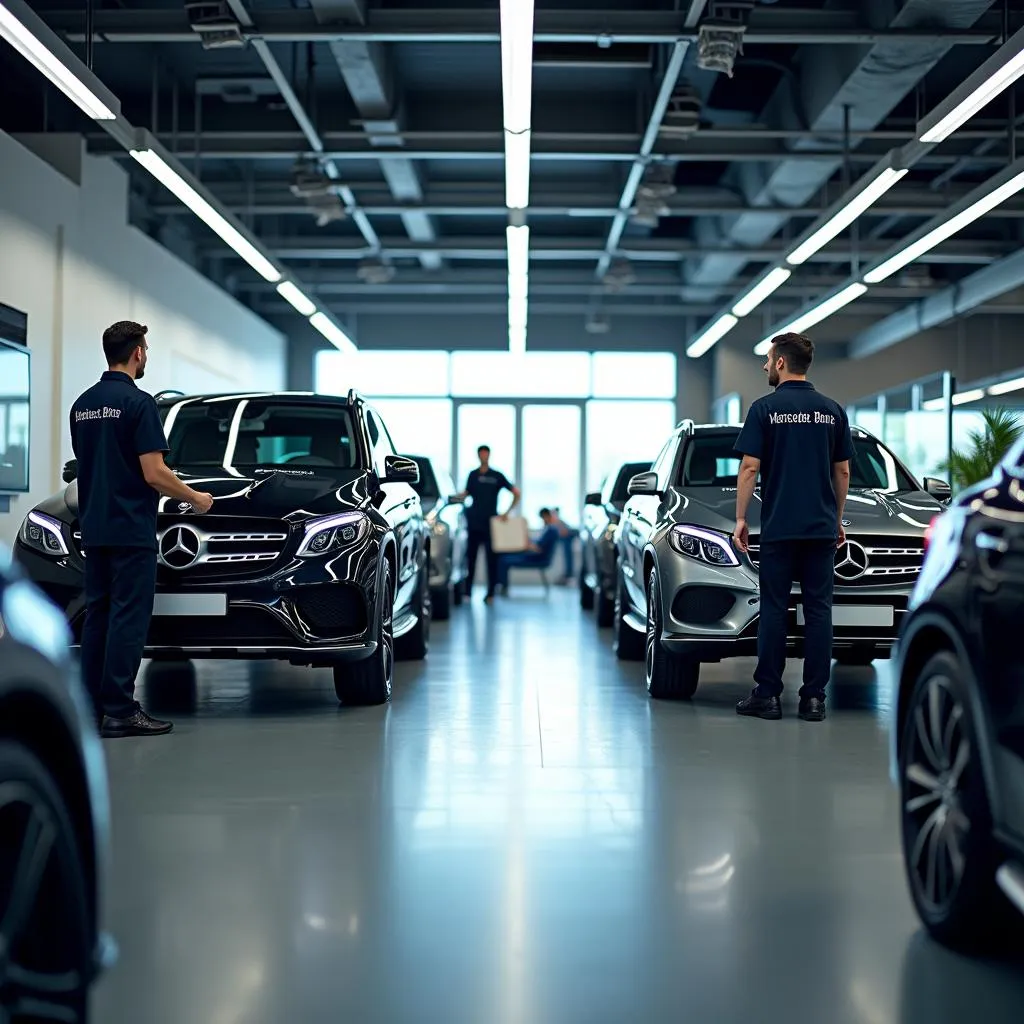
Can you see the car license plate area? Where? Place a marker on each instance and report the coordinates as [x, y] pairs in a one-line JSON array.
[[856, 615], [190, 604]]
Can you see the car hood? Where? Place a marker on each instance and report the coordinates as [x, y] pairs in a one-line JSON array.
[[291, 493], [867, 511]]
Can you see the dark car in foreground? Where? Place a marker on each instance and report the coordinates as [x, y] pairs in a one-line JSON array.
[[54, 815], [685, 596], [448, 537], [602, 511], [315, 551], [958, 731]]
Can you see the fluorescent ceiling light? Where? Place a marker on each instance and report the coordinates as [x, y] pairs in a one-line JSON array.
[[814, 315], [1006, 386], [517, 340], [517, 170], [517, 239], [302, 303], [934, 404], [947, 228], [37, 53], [963, 397], [518, 286], [711, 335], [846, 216], [1006, 68], [749, 302], [170, 178], [516, 63], [517, 312], [332, 332]]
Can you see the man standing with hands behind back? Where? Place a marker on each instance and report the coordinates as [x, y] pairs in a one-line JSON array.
[[119, 442], [800, 442]]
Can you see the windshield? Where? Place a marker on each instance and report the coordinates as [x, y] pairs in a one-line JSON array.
[[259, 433], [711, 461]]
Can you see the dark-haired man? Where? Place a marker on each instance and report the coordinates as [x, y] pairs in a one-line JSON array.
[[483, 486], [119, 442], [799, 441]]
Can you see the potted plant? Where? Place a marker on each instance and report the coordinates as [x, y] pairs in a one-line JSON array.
[[985, 448]]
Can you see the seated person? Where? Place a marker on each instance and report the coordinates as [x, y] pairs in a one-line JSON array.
[[537, 556], [567, 538]]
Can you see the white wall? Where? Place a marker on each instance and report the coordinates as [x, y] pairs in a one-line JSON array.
[[70, 260]]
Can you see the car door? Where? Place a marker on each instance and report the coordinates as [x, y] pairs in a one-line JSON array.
[[400, 506], [593, 523]]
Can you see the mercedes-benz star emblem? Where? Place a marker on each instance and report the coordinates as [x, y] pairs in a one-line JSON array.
[[179, 547], [851, 561], [185, 506], [847, 522]]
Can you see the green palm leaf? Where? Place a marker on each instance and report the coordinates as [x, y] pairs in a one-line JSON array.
[[985, 448]]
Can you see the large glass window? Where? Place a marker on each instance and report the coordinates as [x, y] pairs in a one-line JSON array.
[[551, 459], [382, 373], [534, 375], [494, 426], [634, 375], [620, 432], [420, 426]]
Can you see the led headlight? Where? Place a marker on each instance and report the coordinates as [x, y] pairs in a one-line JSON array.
[[331, 533], [704, 545], [43, 534]]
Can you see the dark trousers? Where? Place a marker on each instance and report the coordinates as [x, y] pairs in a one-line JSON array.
[[520, 560], [783, 563], [481, 539], [568, 554], [119, 588]]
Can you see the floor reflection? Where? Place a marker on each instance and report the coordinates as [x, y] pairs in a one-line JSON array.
[[521, 836]]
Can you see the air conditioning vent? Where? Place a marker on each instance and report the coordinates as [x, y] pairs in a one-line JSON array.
[[215, 24]]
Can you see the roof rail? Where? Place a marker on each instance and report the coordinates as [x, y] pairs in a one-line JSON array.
[[687, 426], [168, 393], [353, 396]]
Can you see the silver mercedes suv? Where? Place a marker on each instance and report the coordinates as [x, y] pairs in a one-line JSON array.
[[686, 596]]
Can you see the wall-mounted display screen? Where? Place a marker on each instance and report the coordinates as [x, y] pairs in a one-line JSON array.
[[14, 401]]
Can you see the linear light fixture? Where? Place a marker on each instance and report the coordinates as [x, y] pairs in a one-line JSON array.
[[946, 229], [517, 239], [845, 216], [518, 286], [332, 332], [1006, 386], [814, 315], [933, 404], [999, 72], [768, 284], [299, 300], [711, 335], [23, 31], [204, 210], [965, 397], [517, 311], [517, 340], [517, 98], [517, 170]]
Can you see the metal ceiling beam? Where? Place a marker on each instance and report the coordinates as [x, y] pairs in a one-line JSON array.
[[767, 26]]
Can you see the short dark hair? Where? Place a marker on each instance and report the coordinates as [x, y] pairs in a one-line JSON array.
[[483, 448], [121, 339], [796, 349], [545, 512]]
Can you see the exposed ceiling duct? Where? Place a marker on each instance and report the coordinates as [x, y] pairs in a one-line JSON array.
[[870, 81]]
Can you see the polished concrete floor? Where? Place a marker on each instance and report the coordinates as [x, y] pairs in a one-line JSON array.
[[521, 836]]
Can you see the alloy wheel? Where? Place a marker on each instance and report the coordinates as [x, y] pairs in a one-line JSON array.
[[653, 628], [934, 782], [41, 975], [387, 632]]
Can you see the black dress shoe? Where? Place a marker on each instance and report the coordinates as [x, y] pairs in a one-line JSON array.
[[812, 709], [137, 724], [760, 707]]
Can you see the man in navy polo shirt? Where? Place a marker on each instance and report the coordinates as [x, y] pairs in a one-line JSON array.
[[799, 441], [119, 442]]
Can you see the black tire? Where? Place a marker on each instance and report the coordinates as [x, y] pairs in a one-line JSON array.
[[605, 608], [368, 681], [949, 853], [586, 594], [629, 644], [413, 646], [458, 593], [855, 657], [46, 966], [669, 677], [441, 603]]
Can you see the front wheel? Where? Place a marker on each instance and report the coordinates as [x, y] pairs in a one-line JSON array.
[[368, 681], [949, 853], [669, 676], [629, 644], [441, 603], [586, 593], [44, 904], [605, 607]]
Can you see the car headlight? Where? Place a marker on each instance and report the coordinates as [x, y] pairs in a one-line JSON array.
[[43, 534], [332, 533], [704, 545]]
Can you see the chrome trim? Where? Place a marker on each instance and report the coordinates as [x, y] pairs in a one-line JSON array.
[[205, 557]]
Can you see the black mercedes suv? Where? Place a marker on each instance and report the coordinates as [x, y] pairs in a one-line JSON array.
[[315, 550], [958, 729]]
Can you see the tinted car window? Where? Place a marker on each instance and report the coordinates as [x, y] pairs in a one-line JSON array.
[[710, 461], [268, 434]]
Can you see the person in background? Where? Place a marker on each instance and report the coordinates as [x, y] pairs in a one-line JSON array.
[[119, 442], [567, 538], [537, 556], [483, 486]]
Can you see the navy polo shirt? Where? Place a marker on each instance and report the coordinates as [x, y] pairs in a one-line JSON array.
[[484, 489], [798, 434], [112, 424]]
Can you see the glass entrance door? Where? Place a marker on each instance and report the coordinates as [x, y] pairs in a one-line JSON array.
[[550, 475], [492, 425]]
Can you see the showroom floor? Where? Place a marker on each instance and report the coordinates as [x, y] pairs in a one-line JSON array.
[[522, 836]]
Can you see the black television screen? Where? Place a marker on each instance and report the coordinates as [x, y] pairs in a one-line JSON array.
[[14, 416]]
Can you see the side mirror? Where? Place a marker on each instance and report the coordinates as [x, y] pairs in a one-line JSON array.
[[70, 472], [938, 489], [644, 484], [400, 470], [594, 498]]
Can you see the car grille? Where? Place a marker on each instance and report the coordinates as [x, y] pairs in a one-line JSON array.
[[891, 561], [330, 610], [228, 546]]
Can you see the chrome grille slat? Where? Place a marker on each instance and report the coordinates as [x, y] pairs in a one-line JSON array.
[[241, 538], [903, 562]]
